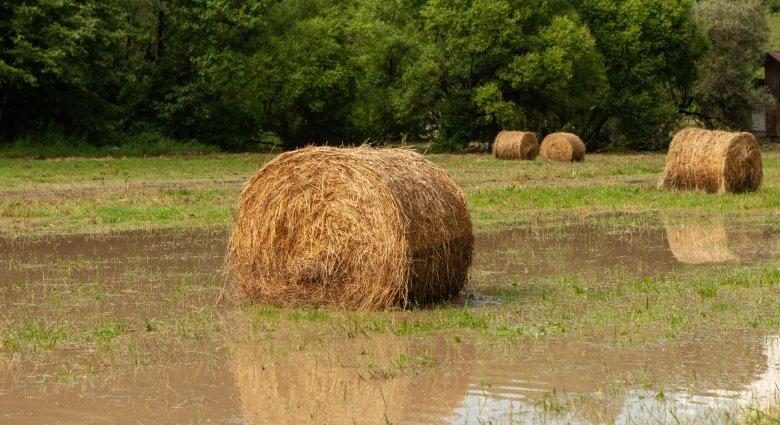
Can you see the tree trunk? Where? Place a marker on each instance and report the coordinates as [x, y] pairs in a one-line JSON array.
[[2, 106], [160, 27], [596, 129]]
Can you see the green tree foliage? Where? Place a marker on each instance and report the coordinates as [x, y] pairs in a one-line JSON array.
[[235, 74], [487, 64], [737, 31], [650, 49], [59, 60], [385, 44]]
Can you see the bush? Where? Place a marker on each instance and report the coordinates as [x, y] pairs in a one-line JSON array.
[[153, 143], [54, 143]]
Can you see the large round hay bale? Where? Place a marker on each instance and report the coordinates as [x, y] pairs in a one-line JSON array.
[[564, 147], [713, 161], [516, 145], [358, 228]]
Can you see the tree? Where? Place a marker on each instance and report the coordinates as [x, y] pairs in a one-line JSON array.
[[385, 41], [725, 95], [553, 86], [488, 64], [58, 59], [650, 50]]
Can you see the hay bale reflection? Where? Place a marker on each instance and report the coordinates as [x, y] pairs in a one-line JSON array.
[[699, 244], [367, 380], [715, 243]]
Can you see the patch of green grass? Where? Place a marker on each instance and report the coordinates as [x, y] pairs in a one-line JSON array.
[[78, 195], [773, 19], [32, 334], [767, 416], [640, 309], [510, 204], [105, 334]]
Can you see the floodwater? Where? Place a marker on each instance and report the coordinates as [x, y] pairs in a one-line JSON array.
[[579, 249], [232, 376]]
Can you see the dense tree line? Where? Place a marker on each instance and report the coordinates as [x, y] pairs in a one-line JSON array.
[[237, 74]]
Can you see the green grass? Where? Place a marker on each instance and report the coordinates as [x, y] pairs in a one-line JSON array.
[[77, 195], [769, 416], [637, 310]]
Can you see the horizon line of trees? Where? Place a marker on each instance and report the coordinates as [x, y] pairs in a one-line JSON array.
[[238, 74]]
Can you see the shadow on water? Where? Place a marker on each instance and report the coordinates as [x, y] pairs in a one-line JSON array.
[[303, 376]]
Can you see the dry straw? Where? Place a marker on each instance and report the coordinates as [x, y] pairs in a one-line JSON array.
[[564, 147], [357, 228], [516, 145], [713, 161]]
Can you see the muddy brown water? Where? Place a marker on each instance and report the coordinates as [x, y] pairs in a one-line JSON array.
[[583, 249], [441, 379]]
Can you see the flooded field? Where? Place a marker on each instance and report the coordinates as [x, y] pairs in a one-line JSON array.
[[140, 327], [582, 249]]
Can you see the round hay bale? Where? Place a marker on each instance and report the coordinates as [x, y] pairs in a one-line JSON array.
[[516, 145], [358, 228], [563, 147], [713, 161]]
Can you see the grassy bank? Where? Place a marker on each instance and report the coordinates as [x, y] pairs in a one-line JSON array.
[[54, 144], [76, 195]]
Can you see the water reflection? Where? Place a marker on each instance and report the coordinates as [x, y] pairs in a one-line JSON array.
[[590, 249], [718, 243], [367, 380], [294, 377], [703, 381], [387, 379]]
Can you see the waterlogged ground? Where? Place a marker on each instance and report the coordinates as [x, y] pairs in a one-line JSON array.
[[625, 319], [594, 298]]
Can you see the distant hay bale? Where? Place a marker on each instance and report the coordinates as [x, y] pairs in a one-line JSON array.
[[564, 147], [713, 161], [357, 228], [516, 145]]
